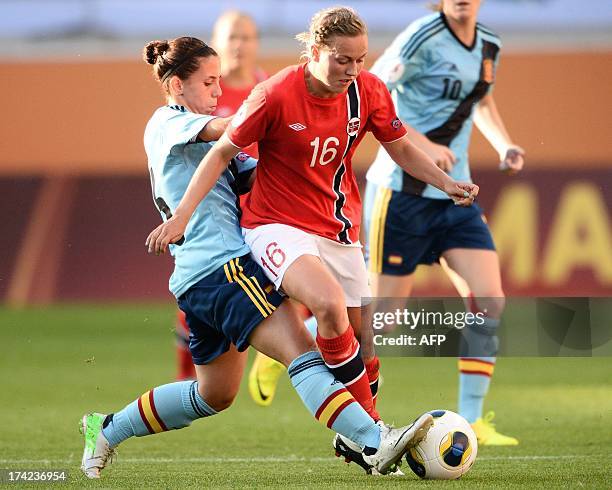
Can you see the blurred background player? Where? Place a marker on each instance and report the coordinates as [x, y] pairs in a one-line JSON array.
[[440, 72], [236, 41], [228, 301], [302, 217]]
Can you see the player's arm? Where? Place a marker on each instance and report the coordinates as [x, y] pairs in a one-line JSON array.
[[208, 172], [415, 162], [491, 125], [442, 155], [214, 129], [395, 70]]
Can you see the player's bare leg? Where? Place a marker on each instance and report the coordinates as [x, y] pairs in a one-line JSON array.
[[476, 275], [308, 281], [390, 293], [284, 338], [184, 363], [219, 381]]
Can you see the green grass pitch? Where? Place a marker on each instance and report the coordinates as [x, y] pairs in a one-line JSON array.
[[57, 363]]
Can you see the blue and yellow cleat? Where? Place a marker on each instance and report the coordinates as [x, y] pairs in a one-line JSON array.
[[263, 379], [487, 435]]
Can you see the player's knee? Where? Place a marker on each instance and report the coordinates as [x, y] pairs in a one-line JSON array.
[[329, 309], [219, 400], [492, 302], [222, 402]]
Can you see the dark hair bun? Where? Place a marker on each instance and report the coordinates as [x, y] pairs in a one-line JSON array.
[[153, 50]]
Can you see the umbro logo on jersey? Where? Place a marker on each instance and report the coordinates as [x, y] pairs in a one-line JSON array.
[[297, 126]]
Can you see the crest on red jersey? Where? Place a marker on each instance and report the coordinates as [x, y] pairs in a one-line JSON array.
[[352, 128]]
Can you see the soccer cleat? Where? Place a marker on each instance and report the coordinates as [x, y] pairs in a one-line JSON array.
[[395, 442], [263, 379], [397, 471], [352, 453], [98, 451], [487, 435]]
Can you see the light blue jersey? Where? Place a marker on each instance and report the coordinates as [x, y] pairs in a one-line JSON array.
[[213, 235], [435, 81]]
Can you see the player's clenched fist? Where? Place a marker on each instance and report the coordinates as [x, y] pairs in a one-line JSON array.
[[462, 193]]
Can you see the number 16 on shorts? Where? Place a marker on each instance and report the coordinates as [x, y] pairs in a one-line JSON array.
[[276, 246], [274, 259]]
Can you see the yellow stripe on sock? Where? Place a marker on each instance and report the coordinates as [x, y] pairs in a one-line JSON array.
[[148, 411], [333, 406], [476, 366], [246, 289]]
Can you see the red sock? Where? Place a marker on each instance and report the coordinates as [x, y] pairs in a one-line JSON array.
[[185, 369], [373, 369], [343, 357]]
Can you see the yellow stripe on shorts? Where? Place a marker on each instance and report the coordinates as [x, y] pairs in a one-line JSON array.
[[227, 273], [246, 289], [263, 293], [254, 287], [377, 228]]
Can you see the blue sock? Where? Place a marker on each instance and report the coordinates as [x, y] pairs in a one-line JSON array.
[[171, 406], [330, 402], [311, 325], [476, 367], [473, 388]]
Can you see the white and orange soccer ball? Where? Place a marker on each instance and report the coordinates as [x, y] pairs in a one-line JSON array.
[[448, 451]]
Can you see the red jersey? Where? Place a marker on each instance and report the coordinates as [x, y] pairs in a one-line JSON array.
[[232, 98], [304, 177]]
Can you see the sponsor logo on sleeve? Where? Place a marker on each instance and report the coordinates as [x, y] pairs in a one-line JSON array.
[[396, 123]]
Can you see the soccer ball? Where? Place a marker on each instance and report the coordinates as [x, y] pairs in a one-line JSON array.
[[448, 451]]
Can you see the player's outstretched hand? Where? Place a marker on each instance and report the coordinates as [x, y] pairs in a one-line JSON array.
[[462, 193], [169, 232], [513, 161]]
